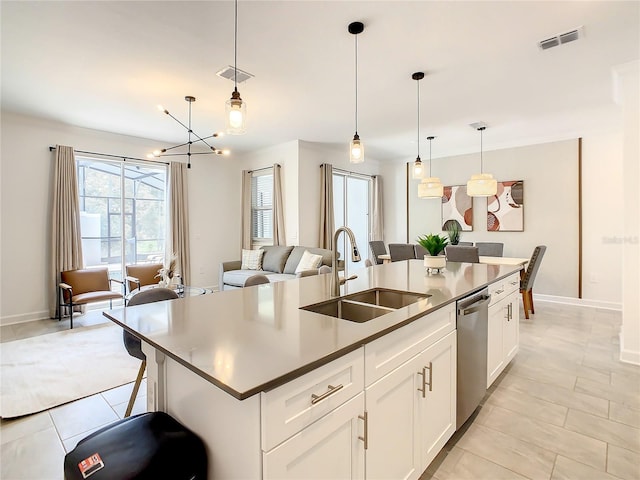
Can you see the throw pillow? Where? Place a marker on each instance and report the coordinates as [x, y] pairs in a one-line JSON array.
[[252, 259], [309, 261]]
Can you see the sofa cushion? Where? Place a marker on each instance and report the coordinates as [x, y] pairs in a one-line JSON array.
[[238, 277], [309, 261], [252, 259], [296, 255], [275, 257], [278, 277]]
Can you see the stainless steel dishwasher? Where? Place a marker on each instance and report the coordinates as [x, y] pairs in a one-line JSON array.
[[472, 325]]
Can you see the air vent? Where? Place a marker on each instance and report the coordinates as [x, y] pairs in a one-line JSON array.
[[229, 74], [561, 39]]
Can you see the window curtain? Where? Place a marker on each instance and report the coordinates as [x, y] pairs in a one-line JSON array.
[[179, 219], [377, 225], [327, 221], [66, 241], [279, 237], [246, 210]]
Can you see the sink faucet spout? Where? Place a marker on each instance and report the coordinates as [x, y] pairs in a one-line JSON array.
[[355, 257]]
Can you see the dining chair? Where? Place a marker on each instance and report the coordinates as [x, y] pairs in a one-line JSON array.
[[257, 279], [526, 284], [83, 286], [401, 251], [377, 248], [457, 253], [490, 249], [465, 244], [420, 251], [368, 262], [133, 343], [141, 274]]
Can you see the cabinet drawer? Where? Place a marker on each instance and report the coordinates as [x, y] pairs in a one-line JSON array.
[[500, 289], [392, 350], [287, 409], [512, 283]]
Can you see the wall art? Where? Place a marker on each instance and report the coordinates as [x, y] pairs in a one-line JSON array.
[[505, 210], [457, 207]]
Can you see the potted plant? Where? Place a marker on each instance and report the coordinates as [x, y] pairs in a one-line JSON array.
[[434, 244], [452, 228]]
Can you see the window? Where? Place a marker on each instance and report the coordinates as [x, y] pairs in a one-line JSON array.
[[262, 207], [123, 216], [351, 207]]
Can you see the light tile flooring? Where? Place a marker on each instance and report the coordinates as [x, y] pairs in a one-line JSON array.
[[565, 408]]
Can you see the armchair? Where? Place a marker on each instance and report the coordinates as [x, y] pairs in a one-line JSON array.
[[139, 275], [86, 285]]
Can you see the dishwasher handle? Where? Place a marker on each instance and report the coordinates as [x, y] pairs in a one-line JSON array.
[[476, 306]]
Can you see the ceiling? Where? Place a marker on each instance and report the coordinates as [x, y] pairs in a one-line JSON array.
[[106, 65]]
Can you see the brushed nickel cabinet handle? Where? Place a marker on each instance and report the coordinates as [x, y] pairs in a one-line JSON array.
[[424, 385], [430, 376], [318, 398], [365, 437]]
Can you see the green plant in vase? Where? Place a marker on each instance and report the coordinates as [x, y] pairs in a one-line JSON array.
[[432, 243]]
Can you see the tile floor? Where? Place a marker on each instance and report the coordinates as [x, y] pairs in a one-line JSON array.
[[565, 408]]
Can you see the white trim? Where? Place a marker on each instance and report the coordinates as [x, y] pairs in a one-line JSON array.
[[23, 318], [628, 356], [579, 302]]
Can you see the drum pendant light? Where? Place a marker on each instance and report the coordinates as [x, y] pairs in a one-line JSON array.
[[418, 169], [356, 148], [430, 187], [235, 107], [482, 184]]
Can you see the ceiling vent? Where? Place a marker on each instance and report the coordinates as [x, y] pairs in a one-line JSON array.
[[560, 39], [229, 74]]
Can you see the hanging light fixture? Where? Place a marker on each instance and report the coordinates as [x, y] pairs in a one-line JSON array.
[[163, 152], [235, 107], [418, 169], [482, 184], [430, 187], [356, 148]]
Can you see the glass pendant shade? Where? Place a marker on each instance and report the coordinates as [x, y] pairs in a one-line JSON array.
[[356, 150], [236, 115], [430, 187], [418, 169], [482, 185]]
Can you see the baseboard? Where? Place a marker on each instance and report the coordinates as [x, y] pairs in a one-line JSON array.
[[23, 318], [579, 302], [628, 356]]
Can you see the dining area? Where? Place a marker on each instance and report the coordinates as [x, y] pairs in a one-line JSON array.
[[488, 253]]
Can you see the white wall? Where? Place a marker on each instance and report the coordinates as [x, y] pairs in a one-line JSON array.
[[26, 171]]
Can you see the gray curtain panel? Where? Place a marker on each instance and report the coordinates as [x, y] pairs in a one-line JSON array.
[[245, 233], [179, 219], [66, 241], [327, 221], [377, 223], [279, 237]]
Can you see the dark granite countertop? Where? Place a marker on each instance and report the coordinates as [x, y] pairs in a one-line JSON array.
[[254, 339]]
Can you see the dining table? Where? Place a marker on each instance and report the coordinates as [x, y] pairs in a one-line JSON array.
[[514, 261]]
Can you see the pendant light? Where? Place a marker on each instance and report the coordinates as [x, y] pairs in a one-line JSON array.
[[235, 107], [430, 187], [482, 184], [418, 169], [356, 148]]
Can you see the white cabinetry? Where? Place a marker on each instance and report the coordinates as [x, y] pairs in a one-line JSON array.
[[503, 328], [412, 409]]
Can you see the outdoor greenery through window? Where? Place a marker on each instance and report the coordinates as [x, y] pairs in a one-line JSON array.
[[262, 207], [123, 214]]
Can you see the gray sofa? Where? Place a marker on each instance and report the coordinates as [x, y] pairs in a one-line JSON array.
[[278, 263]]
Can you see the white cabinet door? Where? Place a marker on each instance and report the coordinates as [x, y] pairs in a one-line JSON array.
[[329, 448], [438, 406], [495, 357], [392, 409], [511, 330]]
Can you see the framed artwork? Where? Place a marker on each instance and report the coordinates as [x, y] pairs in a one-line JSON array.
[[457, 207], [505, 210]]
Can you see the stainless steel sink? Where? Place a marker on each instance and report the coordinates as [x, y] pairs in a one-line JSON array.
[[387, 298], [367, 305]]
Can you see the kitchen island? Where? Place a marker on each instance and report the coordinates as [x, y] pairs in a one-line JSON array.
[[238, 367]]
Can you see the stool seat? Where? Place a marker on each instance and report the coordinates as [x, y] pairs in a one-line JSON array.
[[147, 446]]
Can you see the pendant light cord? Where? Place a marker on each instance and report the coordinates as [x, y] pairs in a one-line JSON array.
[[235, 50], [481, 162], [418, 85], [356, 83]]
